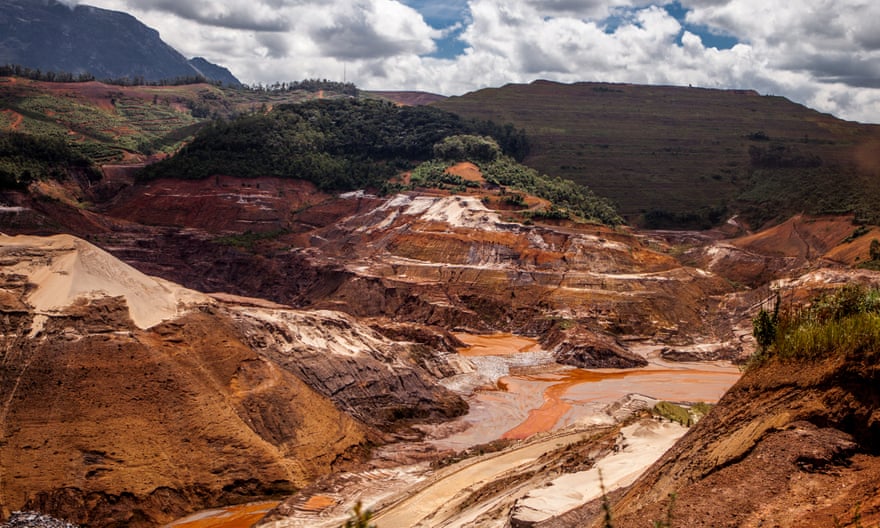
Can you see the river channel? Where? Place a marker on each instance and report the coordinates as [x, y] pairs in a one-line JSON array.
[[517, 392]]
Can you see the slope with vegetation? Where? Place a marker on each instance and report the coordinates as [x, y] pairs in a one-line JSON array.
[[336, 144], [687, 157], [793, 443]]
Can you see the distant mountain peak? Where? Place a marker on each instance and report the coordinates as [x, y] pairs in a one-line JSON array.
[[59, 36], [214, 72]]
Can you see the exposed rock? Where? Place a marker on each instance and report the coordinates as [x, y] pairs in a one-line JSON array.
[[107, 422], [29, 519], [372, 378], [789, 445], [582, 348], [700, 353]]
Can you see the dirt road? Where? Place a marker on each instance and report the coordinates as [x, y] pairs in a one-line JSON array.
[[431, 504]]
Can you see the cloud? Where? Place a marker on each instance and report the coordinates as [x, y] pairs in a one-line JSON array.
[[234, 14], [818, 52], [374, 28]]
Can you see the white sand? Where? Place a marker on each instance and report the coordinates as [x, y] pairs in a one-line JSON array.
[[65, 269], [457, 211], [643, 443], [460, 211]]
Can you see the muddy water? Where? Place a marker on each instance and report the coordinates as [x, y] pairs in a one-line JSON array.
[[496, 344], [525, 404], [241, 516], [529, 401]]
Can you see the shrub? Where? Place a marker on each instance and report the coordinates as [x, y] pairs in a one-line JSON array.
[[845, 322]]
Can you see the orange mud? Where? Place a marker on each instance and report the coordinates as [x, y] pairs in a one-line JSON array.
[[241, 516], [318, 503], [583, 386], [496, 344]]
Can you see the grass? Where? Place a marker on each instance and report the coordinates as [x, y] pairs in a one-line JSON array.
[[686, 415], [843, 323], [685, 156], [108, 122]]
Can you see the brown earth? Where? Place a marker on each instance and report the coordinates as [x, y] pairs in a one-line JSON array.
[[107, 423], [788, 445], [416, 265]]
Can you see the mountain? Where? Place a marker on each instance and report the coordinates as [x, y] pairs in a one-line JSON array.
[[408, 98], [333, 343], [50, 36], [690, 157], [214, 72]]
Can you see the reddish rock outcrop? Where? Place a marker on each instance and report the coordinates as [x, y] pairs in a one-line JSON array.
[[110, 421]]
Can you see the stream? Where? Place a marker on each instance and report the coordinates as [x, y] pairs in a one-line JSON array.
[[517, 392]]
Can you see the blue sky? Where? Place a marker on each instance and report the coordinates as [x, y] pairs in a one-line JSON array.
[[816, 52], [453, 16]]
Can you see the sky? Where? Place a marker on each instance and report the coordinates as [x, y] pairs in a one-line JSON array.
[[821, 53]]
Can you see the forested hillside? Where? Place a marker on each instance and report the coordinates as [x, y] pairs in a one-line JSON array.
[[339, 144]]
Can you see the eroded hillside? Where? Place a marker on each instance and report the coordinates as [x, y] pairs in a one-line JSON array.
[[333, 334], [122, 409], [793, 443]]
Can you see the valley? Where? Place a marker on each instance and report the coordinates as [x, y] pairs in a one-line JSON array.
[[468, 345]]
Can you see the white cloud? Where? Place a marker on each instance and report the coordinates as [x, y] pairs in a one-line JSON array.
[[818, 52]]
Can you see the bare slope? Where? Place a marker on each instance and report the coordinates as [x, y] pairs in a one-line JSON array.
[[791, 444], [129, 401]]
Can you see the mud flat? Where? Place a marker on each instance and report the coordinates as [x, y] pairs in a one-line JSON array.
[[544, 409], [522, 393], [240, 516]]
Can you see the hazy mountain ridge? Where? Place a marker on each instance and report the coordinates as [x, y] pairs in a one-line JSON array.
[[51, 36]]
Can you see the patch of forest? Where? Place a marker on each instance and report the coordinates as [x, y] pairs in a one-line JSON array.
[[25, 158], [338, 144]]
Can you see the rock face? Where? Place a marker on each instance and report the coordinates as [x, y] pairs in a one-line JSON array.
[[111, 418], [585, 349], [373, 380], [788, 445], [50, 36], [35, 520], [423, 258]]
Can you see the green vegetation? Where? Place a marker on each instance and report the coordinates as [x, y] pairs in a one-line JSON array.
[[107, 123], [24, 159], [685, 415], [567, 197], [859, 231], [309, 85], [360, 518], [339, 144], [248, 239], [681, 157], [843, 323], [873, 262], [478, 149]]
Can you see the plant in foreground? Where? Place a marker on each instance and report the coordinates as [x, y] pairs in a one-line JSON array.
[[360, 518]]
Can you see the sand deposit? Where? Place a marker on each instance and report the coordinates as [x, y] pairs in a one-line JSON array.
[[66, 269]]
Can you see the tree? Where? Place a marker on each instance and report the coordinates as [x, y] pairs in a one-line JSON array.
[[764, 326], [874, 250]]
